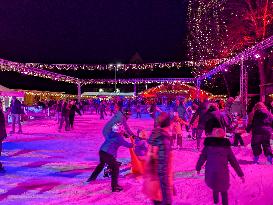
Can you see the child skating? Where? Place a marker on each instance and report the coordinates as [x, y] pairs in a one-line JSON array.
[[217, 154]]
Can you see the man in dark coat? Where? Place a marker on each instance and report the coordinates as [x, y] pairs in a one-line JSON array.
[[72, 112], [3, 133], [201, 113], [261, 124], [65, 116], [16, 111], [217, 154]]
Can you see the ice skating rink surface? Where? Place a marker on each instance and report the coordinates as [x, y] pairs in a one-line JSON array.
[[44, 166]]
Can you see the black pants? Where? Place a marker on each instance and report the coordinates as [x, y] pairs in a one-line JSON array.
[[179, 140], [1, 142], [138, 114], [71, 120], [113, 165], [259, 141], [102, 115], [66, 120], [224, 197], [238, 137]]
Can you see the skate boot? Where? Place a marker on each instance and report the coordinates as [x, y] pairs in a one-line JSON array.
[[117, 188], [269, 159], [107, 172], [256, 160]]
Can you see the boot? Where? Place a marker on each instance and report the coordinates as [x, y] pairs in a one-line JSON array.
[[269, 159], [117, 188], [256, 160]]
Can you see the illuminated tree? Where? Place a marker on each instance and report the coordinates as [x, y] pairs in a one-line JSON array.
[[221, 28]]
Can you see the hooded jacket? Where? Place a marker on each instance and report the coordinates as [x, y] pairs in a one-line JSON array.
[[113, 142], [119, 117], [261, 124], [217, 154]]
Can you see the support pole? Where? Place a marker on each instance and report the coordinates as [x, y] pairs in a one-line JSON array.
[[243, 87], [198, 84], [79, 91], [135, 89]]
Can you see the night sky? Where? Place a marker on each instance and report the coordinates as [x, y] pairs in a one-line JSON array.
[[89, 32]]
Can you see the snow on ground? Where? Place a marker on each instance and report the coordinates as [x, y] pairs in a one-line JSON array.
[[44, 166]]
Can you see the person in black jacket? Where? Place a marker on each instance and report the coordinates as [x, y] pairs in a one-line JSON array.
[[65, 116], [3, 133], [16, 111], [261, 124], [73, 110], [201, 113], [217, 154]]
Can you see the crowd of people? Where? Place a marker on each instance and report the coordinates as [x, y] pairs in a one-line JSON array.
[[173, 122], [215, 119]]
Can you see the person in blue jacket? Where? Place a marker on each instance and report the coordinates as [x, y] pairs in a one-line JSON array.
[[119, 117], [108, 153]]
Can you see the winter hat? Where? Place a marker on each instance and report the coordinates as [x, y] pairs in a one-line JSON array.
[[213, 128], [163, 120]]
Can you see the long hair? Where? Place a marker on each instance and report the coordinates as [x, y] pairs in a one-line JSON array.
[[257, 106]]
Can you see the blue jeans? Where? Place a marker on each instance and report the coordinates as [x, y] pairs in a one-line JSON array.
[[16, 119]]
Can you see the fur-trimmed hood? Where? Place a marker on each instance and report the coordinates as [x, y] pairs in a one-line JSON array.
[[217, 142]]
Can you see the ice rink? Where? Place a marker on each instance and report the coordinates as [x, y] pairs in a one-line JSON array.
[[44, 166]]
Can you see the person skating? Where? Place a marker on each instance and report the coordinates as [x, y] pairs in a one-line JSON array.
[[261, 124], [239, 130], [201, 114], [217, 154], [119, 117], [108, 153], [176, 128], [65, 116], [73, 110], [3, 133], [16, 111], [138, 110], [102, 110], [159, 163]]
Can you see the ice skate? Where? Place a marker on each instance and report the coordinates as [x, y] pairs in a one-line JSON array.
[[256, 160], [117, 188], [269, 160]]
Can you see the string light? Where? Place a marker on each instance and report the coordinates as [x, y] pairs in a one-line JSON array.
[[143, 66], [6, 65]]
